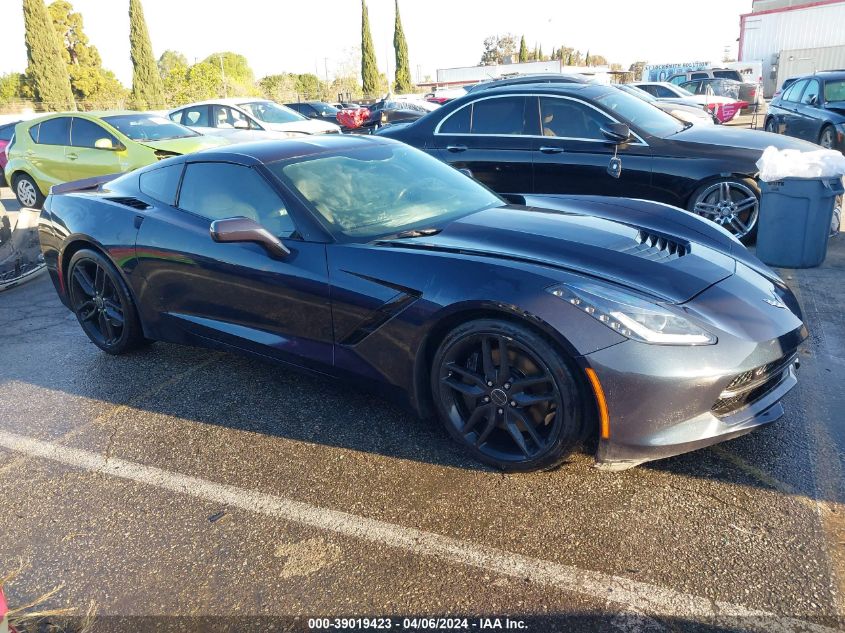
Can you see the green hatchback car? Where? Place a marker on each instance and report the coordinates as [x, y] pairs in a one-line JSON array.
[[60, 148]]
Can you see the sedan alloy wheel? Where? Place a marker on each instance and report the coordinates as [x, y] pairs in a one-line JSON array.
[[826, 138], [731, 204]]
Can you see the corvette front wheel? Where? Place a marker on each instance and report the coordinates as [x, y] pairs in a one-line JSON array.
[[506, 395]]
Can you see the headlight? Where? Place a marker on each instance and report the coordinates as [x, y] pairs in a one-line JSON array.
[[633, 317]]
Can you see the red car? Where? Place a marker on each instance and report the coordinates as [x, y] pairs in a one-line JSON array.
[[6, 132]]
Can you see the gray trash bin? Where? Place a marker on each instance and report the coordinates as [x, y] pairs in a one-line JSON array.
[[794, 224]]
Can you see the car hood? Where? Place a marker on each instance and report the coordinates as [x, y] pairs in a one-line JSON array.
[[632, 255], [738, 138], [185, 145], [309, 126]]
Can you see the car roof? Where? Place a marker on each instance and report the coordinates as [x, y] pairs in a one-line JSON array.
[[269, 151], [231, 101], [543, 87], [527, 79], [831, 74]]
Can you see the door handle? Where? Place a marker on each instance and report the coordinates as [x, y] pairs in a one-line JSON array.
[[550, 150], [72, 156], [456, 148]]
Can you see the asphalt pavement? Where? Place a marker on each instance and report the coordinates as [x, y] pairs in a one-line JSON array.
[[191, 490]]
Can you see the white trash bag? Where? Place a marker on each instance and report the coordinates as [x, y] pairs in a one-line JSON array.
[[777, 164]]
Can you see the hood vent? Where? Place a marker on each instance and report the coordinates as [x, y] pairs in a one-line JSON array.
[[657, 248], [131, 202]]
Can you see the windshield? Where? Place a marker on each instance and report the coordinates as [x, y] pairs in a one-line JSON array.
[[325, 109], [270, 112], [640, 114], [147, 127], [834, 90], [383, 189], [637, 92]]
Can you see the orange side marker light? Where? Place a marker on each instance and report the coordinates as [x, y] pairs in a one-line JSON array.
[[604, 418]]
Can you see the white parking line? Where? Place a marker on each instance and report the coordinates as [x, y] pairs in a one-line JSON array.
[[630, 594]]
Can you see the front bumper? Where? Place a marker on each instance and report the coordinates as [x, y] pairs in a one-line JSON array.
[[667, 400]]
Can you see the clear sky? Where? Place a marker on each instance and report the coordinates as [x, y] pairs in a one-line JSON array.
[[318, 35]]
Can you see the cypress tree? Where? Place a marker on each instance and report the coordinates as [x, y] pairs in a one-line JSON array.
[[540, 54], [147, 87], [587, 58], [369, 67], [403, 81], [46, 72], [523, 50]]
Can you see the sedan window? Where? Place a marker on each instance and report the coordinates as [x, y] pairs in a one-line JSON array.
[[194, 116], [834, 90], [223, 190], [811, 93], [55, 131], [505, 115], [567, 118], [458, 122], [148, 127], [639, 114], [794, 91], [85, 133]]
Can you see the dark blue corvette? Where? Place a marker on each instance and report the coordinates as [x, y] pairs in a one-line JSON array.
[[526, 325]]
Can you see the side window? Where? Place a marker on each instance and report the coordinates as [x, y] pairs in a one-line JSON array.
[[55, 131], [458, 122], [695, 87], [500, 115], [794, 91], [223, 190], [33, 132], [176, 117], [698, 76], [677, 79], [652, 90], [161, 184], [567, 118], [6, 132], [225, 117], [811, 94], [662, 92], [197, 116], [84, 133]]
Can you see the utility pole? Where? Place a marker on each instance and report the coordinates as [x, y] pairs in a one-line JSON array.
[[223, 74]]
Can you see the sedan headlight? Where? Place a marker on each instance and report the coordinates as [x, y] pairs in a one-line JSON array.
[[632, 316]]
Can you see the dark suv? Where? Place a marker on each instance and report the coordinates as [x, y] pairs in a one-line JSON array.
[[813, 109]]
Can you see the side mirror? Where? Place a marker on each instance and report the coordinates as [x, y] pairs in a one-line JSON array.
[[105, 143], [240, 124], [616, 132], [242, 229], [814, 100]]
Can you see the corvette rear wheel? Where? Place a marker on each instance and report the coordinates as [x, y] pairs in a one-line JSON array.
[[102, 304], [506, 395], [732, 203]]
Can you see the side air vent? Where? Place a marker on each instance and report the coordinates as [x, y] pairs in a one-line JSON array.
[[656, 247], [131, 202]]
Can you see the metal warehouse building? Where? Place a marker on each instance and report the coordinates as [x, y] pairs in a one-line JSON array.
[[793, 37]]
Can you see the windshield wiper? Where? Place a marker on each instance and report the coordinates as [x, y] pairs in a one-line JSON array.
[[402, 235]]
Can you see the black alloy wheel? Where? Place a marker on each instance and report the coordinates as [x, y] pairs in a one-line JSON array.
[[102, 304], [506, 395]]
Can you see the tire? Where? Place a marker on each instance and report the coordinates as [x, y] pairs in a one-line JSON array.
[[527, 417], [102, 304], [27, 192], [827, 137], [728, 203], [771, 125]]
